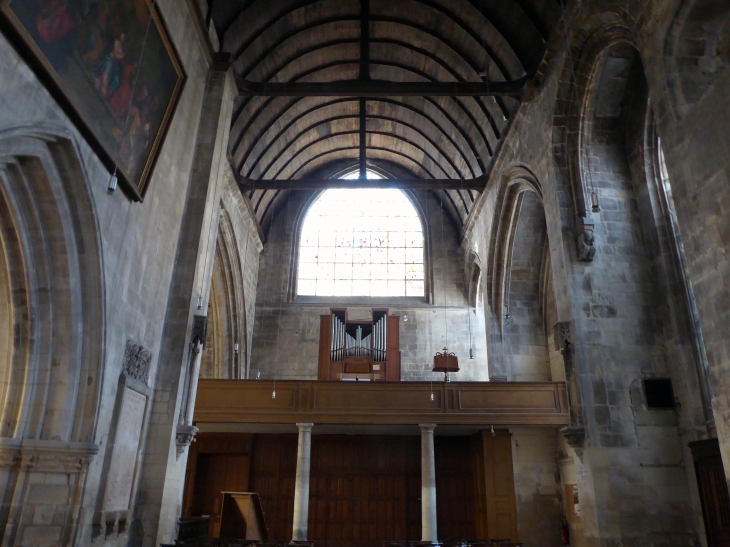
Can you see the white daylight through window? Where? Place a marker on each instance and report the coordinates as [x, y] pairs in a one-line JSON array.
[[361, 242]]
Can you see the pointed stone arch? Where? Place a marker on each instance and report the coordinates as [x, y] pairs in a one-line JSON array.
[[517, 280], [52, 251], [52, 329]]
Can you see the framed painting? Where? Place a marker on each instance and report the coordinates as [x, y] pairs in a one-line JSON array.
[[112, 67]]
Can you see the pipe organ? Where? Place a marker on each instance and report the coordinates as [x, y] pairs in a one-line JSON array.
[[359, 350]]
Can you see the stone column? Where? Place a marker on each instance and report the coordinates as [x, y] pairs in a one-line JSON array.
[[301, 486], [428, 485]]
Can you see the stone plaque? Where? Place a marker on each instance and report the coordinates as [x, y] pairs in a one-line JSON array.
[[124, 456]]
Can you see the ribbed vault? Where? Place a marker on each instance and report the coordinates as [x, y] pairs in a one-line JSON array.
[[399, 41]]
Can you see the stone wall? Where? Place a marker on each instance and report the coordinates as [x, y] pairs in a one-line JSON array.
[[286, 337], [537, 486], [617, 305], [137, 260]]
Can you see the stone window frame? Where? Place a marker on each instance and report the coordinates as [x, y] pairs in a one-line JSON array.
[[427, 298]]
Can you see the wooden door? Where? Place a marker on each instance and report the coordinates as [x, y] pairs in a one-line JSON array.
[[495, 503], [713, 491]]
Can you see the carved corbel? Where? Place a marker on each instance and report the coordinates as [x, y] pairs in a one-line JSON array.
[[184, 437], [585, 241], [576, 436]]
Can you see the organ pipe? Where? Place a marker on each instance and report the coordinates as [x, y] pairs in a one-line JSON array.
[[344, 344]]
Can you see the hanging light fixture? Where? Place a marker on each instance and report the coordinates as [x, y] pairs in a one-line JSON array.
[[595, 207], [113, 182]]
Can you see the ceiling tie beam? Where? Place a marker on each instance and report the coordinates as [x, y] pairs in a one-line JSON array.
[[380, 88], [248, 185]]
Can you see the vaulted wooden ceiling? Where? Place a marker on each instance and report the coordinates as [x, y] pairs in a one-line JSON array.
[[441, 137]]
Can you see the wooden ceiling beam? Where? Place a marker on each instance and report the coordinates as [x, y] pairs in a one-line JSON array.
[[247, 185], [379, 88]]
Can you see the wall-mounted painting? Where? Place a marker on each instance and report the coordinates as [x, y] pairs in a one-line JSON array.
[[112, 66]]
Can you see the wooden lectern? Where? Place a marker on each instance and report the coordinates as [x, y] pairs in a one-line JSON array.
[[241, 517]]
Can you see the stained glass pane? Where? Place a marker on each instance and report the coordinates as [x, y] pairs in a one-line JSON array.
[[361, 242]]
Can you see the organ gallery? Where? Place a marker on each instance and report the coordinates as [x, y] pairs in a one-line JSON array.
[[364, 273]]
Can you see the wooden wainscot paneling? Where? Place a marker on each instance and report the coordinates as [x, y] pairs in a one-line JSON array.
[[494, 488], [217, 462], [500, 403], [349, 399], [517, 398]]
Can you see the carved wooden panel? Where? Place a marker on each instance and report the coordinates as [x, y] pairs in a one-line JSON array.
[[220, 461], [499, 403]]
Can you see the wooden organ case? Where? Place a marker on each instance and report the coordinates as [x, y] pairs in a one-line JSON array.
[[359, 350]]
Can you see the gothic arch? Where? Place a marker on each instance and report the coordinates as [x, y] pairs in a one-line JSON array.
[[575, 101], [517, 279], [514, 181], [50, 383], [418, 203], [226, 309]]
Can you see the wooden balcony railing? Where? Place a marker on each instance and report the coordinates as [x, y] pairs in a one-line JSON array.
[[498, 403]]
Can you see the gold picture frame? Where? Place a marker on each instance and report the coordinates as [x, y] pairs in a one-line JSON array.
[[112, 67]]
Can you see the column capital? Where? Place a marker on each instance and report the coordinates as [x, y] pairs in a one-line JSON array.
[[305, 427], [427, 427]]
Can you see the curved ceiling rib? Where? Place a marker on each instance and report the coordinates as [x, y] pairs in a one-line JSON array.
[[446, 137]]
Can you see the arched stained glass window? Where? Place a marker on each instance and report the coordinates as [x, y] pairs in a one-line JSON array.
[[361, 242]]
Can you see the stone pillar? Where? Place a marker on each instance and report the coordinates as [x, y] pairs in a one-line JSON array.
[[301, 486], [162, 474], [429, 532]]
